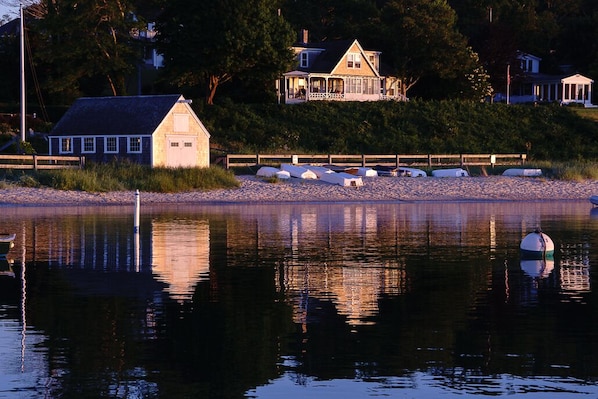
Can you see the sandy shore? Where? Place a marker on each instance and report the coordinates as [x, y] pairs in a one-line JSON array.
[[255, 190]]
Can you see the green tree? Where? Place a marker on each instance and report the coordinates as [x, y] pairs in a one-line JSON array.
[[212, 42], [87, 46], [420, 39]]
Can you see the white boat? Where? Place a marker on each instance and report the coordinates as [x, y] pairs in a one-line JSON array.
[[319, 170], [366, 172], [522, 172], [298, 171], [342, 179], [267, 171], [412, 172], [457, 172], [536, 245], [6, 243], [594, 200]]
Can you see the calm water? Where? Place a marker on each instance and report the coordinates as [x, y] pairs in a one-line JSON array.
[[296, 301]]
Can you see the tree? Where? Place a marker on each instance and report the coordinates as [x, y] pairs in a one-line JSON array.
[[87, 46], [420, 39], [211, 42]]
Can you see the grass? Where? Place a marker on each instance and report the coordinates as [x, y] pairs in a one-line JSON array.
[[126, 176]]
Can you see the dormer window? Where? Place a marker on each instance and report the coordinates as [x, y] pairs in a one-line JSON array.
[[354, 60], [304, 62]]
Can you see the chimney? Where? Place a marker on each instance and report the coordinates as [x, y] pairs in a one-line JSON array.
[[304, 39]]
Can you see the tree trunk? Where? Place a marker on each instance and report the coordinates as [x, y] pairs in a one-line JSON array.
[[213, 82]]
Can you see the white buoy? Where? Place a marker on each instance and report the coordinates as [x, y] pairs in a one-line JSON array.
[[537, 245], [136, 221]]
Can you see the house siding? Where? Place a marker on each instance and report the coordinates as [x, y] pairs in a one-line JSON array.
[[167, 129]]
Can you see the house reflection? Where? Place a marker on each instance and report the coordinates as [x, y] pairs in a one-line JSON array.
[[575, 270], [180, 254]]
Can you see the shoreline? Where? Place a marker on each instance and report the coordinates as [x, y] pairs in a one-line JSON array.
[[254, 190]]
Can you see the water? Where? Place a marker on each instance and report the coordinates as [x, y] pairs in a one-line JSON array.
[[291, 301]]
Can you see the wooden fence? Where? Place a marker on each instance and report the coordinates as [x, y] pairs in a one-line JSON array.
[[428, 161], [38, 162]]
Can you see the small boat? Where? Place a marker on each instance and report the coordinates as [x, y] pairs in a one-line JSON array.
[[388, 171], [412, 172], [522, 172], [319, 170], [6, 243], [594, 200], [537, 245], [298, 171], [457, 172], [342, 179]]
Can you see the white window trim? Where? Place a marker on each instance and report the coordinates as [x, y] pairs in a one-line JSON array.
[[61, 147], [354, 61], [129, 151], [106, 145], [304, 59], [83, 151]]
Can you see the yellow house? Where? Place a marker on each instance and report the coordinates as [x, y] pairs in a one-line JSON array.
[[338, 71], [161, 131]]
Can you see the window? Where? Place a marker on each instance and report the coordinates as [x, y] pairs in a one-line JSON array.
[[567, 91], [304, 60], [354, 85], [89, 144], [174, 144], [111, 145], [188, 145], [353, 60], [371, 86], [181, 123], [66, 145], [134, 144]]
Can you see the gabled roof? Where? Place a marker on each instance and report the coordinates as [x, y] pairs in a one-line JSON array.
[[329, 57], [98, 116], [330, 54]]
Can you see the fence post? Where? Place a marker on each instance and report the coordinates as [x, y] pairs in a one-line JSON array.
[[226, 162], [81, 162], [523, 158], [363, 160], [398, 162], [34, 157], [429, 160], [329, 159], [462, 160], [257, 159]]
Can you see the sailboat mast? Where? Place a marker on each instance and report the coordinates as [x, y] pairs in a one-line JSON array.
[[22, 70]]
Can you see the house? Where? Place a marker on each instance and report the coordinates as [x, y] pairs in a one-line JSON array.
[[158, 130], [533, 86], [337, 71]]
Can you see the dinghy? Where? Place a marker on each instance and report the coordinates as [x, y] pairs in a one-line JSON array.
[[594, 200], [458, 172], [342, 179], [298, 171], [522, 172]]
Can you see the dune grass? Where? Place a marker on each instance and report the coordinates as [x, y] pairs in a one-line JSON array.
[[126, 176]]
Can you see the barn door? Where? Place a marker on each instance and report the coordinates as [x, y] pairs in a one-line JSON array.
[[181, 151]]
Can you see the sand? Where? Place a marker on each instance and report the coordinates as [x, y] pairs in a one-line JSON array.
[[390, 189]]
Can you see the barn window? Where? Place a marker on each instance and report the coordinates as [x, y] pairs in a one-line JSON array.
[[134, 144], [89, 144], [111, 144], [174, 144], [181, 123], [66, 145], [187, 144]]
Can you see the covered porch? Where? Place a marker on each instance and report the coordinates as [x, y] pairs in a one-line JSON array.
[[565, 90], [302, 86]]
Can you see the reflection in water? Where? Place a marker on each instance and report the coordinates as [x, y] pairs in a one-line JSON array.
[[371, 298], [180, 254]]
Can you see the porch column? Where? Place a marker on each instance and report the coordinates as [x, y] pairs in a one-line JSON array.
[[589, 94]]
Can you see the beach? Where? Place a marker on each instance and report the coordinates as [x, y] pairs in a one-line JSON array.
[[255, 190]]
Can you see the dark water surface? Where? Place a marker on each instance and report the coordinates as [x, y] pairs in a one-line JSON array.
[[420, 300]]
